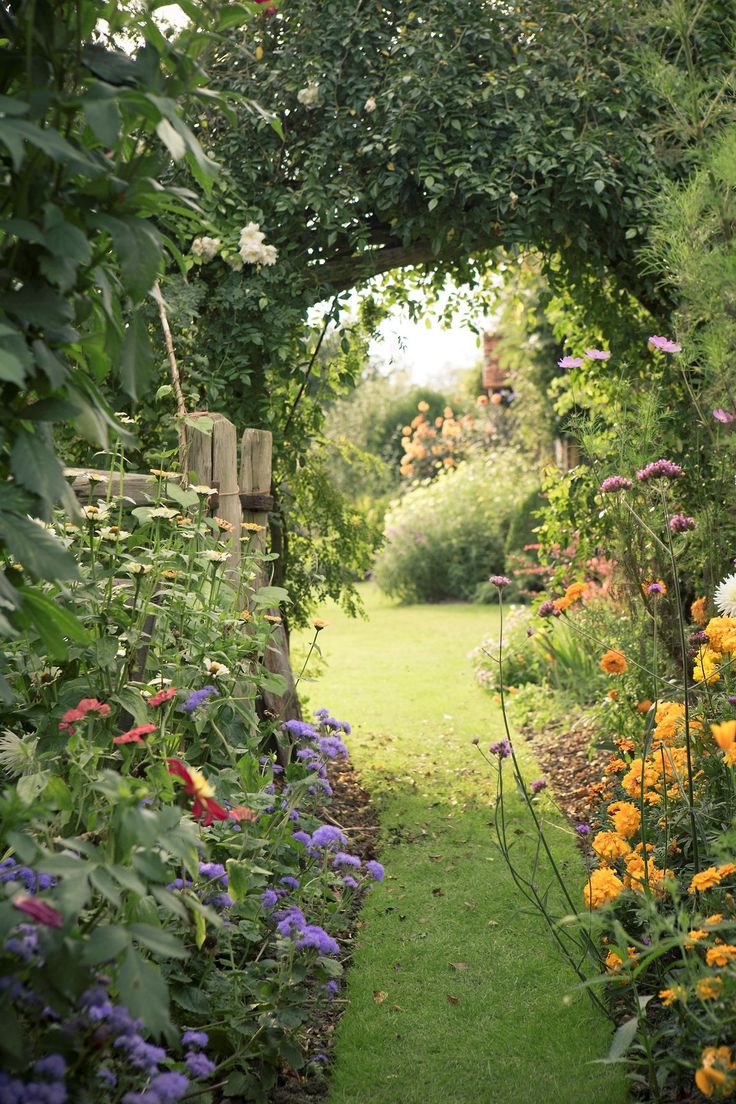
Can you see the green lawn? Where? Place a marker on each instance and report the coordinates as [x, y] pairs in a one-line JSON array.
[[508, 1025]]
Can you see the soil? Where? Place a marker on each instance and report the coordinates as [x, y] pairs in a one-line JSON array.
[[570, 766], [351, 810]]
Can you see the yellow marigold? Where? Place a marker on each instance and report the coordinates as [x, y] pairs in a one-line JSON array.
[[696, 934], [610, 845], [631, 782], [669, 996], [709, 988], [666, 718], [706, 879], [423, 406], [613, 663], [699, 611], [717, 629], [715, 1075], [721, 954], [612, 694], [561, 604], [603, 886], [624, 745], [613, 962], [626, 818], [715, 918], [705, 668], [575, 591]]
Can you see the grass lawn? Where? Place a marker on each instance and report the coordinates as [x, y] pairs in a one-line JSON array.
[[456, 994]]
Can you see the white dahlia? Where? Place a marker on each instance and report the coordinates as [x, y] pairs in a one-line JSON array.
[[725, 596]]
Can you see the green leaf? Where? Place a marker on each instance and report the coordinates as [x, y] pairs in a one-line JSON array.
[[125, 877], [31, 785], [36, 466], [270, 596], [58, 794], [54, 369], [178, 494], [102, 112], [104, 945], [138, 246], [132, 703], [240, 881], [104, 884], [599, 186], [170, 137], [158, 940], [622, 1040], [16, 361], [143, 991], [41, 554], [136, 361], [54, 624]]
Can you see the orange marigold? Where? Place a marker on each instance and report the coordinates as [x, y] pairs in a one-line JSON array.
[[699, 611], [721, 954], [669, 996], [603, 886], [613, 663], [716, 1073], [610, 845], [626, 818], [708, 988]]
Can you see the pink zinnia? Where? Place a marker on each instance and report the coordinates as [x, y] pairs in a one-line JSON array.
[[80, 711], [570, 362], [39, 910], [133, 735], [597, 354], [664, 344], [162, 696]]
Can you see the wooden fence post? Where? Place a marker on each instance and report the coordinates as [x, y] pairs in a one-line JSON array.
[[214, 458], [255, 487]]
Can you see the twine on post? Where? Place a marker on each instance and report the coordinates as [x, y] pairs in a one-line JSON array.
[[181, 408]]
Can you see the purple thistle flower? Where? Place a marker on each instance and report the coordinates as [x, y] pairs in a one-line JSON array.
[[198, 697], [502, 748], [597, 354], [538, 785], [570, 362], [500, 581], [615, 483], [659, 469], [680, 523], [723, 416], [375, 870], [664, 344]]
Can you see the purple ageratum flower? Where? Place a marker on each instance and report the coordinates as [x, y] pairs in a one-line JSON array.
[[195, 1039], [169, 1087], [732, 699], [287, 880], [664, 344], [350, 882], [502, 748], [570, 362], [269, 898], [583, 829], [53, 1066], [321, 714], [615, 483], [213, 870], [538, 785], [327, 836], [723, 416], [597, 354], [299, 730], [659, 469], [302, 837], [199, 1065], [290, 920], [106, 1076], [198, 698], [680, 523], [343, 859], [332, 988], [332, 747], [375, 870], [312, 935], [500, 581]]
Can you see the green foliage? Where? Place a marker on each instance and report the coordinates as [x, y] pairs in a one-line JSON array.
[[88, 122], [443, 538]]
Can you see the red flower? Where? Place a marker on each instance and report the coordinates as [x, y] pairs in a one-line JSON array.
[[133, 735], [80, 711], [242, 812], [162, 696], [39, 910], [197, 785]]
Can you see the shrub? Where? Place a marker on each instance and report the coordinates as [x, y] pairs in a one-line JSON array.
[[445, 537]]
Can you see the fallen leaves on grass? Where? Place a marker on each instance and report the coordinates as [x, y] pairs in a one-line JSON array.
[[460, 965], [379, 996]]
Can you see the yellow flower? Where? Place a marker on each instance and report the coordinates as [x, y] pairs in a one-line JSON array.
[[720, 955], [246, 615], [631, 782], [575, 591], [696, 935], [698, 611], [223, 525], [705, 668], [613, 962], [710, 877], [643, 706], [725, 736], [715, 1075], [318, 624], [253, 527], [626, 818], [709, 988], [603, 886], [669, 996], [609, 845], [272, 617], [717, 629], [200, 786], [613, 663]]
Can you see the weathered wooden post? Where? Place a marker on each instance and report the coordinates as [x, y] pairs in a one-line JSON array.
[[213, 456], [256, 499]]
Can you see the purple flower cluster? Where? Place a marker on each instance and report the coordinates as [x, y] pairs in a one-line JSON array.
[[698, 638], [300, 730], [659, 469], [327, 721], [332, 747], [502, 748], [342, 858], [500, 581], [198, 698], [615, 483], [538, 785], [548, 609], [10, 871], [583, 829], [680, 523], [327, 836], [375, 870]]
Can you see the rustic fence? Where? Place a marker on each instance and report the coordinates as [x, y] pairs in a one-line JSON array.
[[243, 494]]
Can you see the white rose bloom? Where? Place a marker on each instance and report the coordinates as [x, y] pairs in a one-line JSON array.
[[269, 255], [369, 105], [206, 248], [307, 97], [252, 248]]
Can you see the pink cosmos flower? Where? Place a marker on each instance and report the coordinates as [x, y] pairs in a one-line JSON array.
[[664, 344], [597, 354], [39, 910], [721, 415], [570, 362]]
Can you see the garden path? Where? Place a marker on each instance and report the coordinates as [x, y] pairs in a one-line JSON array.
[[456, 995]]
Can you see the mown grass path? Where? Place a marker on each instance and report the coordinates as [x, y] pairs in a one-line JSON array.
[[505, 1023]]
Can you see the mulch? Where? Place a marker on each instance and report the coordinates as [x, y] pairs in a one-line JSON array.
[[351, 810], [570, 765]]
